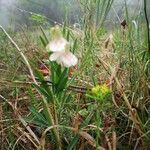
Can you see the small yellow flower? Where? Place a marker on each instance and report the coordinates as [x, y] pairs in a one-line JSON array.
[[104, 89], [101, 91], [95, 89]]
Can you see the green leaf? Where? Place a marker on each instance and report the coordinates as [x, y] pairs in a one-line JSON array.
[[88, 118], [83, 112], [32, 119], [64, 28], [39, 75], [73, 142], [43, 41], [44, 84], [44, 92], [74, 46], [44, 36], [55, 68], [37, 114], [68, 34], [63, 80]]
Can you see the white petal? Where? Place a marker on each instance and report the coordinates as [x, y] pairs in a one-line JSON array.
[[68, 59], [55, 56], [57, 45]]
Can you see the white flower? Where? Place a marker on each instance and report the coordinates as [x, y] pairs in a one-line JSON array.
[[61, 53], [60, 48], [57, 45], [64, 58], [57, 42]]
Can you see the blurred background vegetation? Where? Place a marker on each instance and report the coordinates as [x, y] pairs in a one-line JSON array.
[[15, 13]]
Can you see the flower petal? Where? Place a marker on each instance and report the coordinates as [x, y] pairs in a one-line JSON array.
[[68, 59], [55, 56], [57, 45]]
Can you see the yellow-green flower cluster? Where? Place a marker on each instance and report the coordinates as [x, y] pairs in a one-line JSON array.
[[100, 92]]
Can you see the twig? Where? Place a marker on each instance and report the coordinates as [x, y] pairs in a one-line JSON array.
[[73, 88]]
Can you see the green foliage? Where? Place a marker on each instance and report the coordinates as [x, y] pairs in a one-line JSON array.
[[96, 11], [39, 19]]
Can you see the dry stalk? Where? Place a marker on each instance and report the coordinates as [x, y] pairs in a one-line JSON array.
[[21, 53], [114, 140]]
